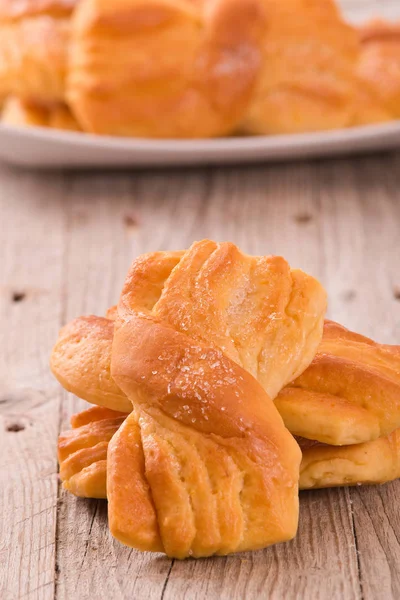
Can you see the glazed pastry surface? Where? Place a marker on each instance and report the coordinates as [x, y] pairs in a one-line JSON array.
[[350, 393]]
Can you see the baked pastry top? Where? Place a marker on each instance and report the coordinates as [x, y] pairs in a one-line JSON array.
[[82, 355], [349, 394], [11, 10], [162, 68], [309, 77], [34, 39], [81, 361]]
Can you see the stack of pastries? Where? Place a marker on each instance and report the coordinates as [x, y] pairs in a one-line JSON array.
[[219, 391], [194, 68]]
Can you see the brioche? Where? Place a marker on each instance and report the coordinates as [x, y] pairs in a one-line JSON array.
[[308, 81], [18, 113], [350, 394], [203, 464], [34, 38], [82, 451], [81, 361], [379, 63], [165, 68], [368, 463]]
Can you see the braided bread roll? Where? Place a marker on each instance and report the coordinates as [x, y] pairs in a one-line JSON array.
[[34, 38], [164, 68], [203, 464]]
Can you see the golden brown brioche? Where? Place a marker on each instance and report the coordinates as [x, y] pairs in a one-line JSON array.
[[349, 394], [164, 68], [372, 462], [203, 465], [379, 64], [34, 38], [82, 452], [20, 113], [308, 81]]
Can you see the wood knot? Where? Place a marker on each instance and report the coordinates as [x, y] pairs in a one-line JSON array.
[[18, 296], [303, 218], [130, 222], [349, 295], [15, 427]]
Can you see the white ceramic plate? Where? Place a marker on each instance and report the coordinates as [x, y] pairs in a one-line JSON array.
[[39, 147]]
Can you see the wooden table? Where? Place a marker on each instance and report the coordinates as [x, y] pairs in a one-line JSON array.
[[66, 243]]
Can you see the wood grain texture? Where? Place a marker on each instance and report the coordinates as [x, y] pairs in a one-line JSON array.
[[32, 236], [339, 220]]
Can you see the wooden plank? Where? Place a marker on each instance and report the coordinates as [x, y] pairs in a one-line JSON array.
[[264, 210], [32, 244], [318, 563]]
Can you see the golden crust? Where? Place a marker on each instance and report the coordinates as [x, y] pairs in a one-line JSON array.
[[12, 10], [350, 393], [81, 361], [82, 451], [372, 462], [34, 38], [164, 68], [289, 297], [379, 64], [18, 113], [308, 81]]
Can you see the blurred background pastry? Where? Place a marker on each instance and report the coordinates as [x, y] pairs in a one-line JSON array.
[[308, 80], [34, 39], [164, 69], [199, 69], [21, 113]]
